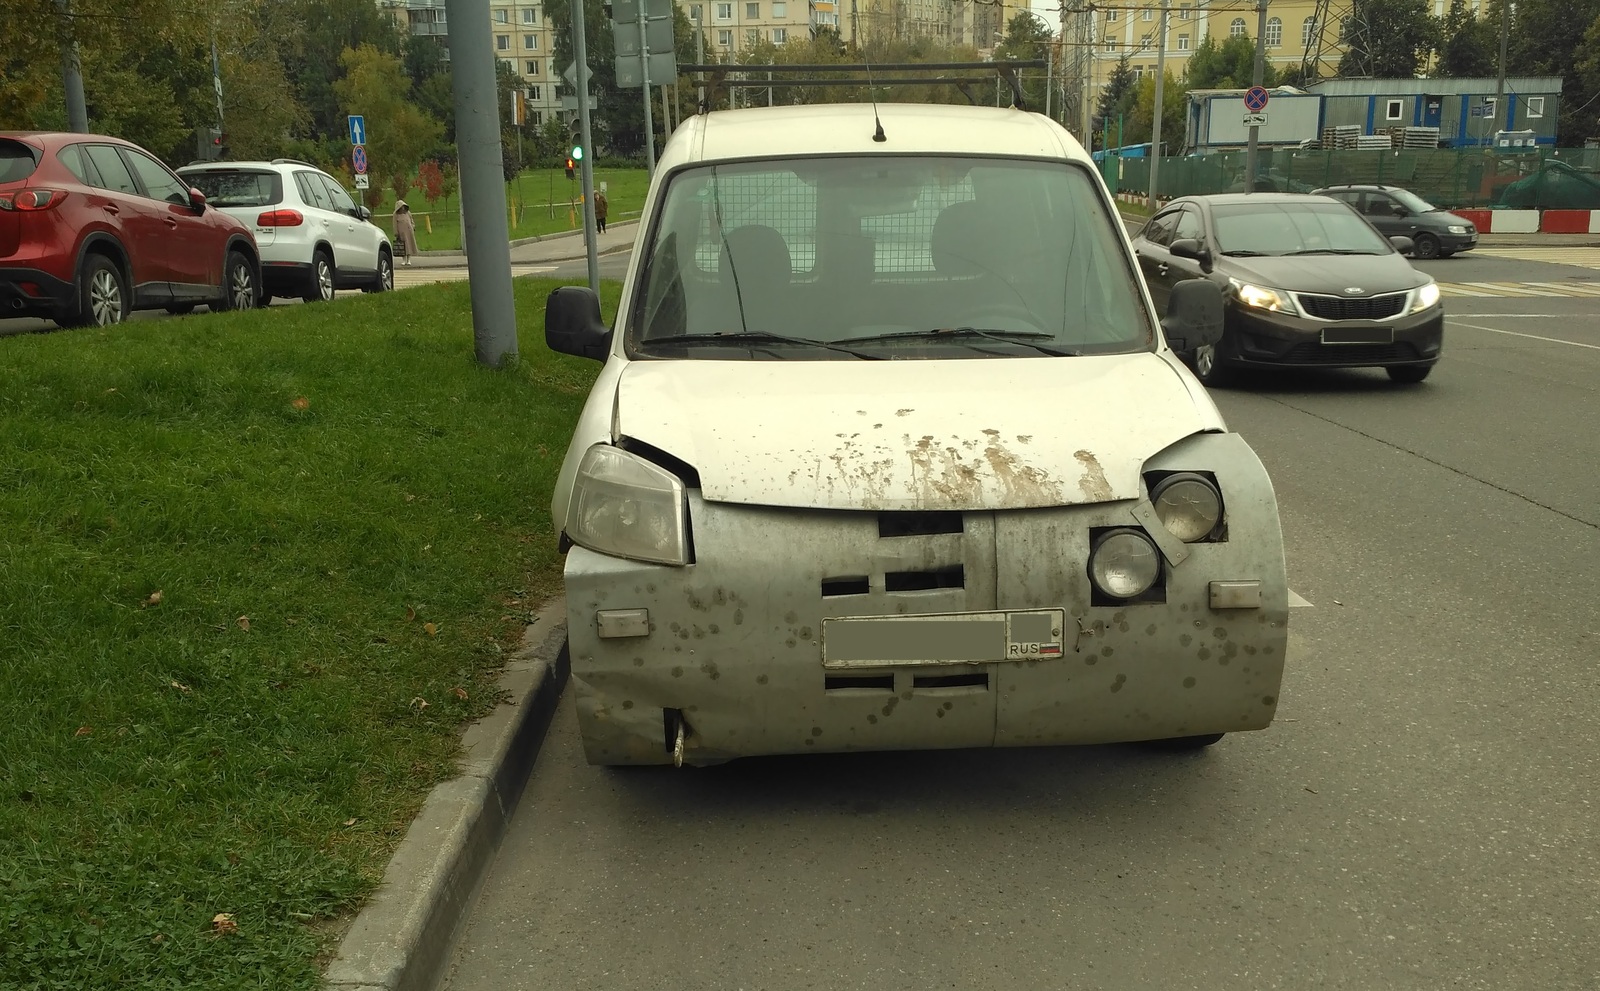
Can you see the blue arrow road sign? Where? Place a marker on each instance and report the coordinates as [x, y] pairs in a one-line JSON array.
[[1256, 98], [358, 129], [358, 158]]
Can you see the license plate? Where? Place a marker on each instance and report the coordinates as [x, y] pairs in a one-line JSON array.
[[1358, 335], [945, 638]]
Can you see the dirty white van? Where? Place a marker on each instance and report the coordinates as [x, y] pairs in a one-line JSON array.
[[890, 450]]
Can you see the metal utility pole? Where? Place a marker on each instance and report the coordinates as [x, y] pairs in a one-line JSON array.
[[586, 163], [483, 191], [700, 55], [1256, 76], [1161, 85], [1500, 86], [644, 69], [72, 74]]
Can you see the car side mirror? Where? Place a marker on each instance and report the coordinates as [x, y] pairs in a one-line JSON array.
[[572, 323], [1188, 247], [1400, 211], [197, 199], [1402, 243], [363, 213], [1194, 315]]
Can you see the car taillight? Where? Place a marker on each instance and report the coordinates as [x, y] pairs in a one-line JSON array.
[[280, 218], [32, 199]]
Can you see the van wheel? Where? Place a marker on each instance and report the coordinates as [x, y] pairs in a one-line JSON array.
[[1209, 369], [1425, 246], [320, 287]]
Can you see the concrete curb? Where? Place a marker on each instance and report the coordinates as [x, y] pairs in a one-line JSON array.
[[402, 939], [524, 241]]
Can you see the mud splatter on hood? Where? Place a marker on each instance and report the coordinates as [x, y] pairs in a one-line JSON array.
[[893, 435]]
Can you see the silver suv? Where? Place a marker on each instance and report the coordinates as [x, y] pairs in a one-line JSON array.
[[313, 237]]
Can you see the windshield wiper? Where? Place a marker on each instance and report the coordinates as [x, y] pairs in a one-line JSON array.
[[1330, 251], [754, 336], [1245, 253], [1004, 336]]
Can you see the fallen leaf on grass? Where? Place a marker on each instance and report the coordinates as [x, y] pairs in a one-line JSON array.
[[223, 924], [158, 938], [181, 688], [419, 703], [110, 391], [84, 731], [301, 403], [410, 497], [411, 614], [349, 822], [431, 628], [153, 600], [244, 622], [461, 693]]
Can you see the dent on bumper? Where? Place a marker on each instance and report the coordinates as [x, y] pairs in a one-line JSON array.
[[735, 642]]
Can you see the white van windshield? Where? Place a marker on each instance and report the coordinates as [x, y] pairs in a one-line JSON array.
[[886, 257]]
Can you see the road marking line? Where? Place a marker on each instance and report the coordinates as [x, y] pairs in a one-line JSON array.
[[1580, 290], [1511, 289], [1296, 602], [1453, 289], [1531, 337]]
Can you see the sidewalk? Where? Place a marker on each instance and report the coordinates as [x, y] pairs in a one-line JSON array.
[[559, 247]]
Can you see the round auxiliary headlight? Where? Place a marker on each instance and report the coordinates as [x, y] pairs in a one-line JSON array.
[[1188, 505], [1124, 563]]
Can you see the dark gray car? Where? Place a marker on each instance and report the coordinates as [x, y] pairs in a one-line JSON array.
[[1306, 281], [1396, 212]]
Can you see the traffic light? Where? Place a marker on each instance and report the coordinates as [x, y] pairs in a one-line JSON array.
[[575, 139], [569, 168], [219, 144]]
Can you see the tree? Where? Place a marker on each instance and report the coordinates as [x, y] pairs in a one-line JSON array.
[[1468, 47], [1116, 99], [1390, 39], [1027, 37], [1174, 111], [399, 134], [1229, 65], [1546, 41]]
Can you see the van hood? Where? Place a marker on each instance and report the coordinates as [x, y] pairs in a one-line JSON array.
[[980, 434]]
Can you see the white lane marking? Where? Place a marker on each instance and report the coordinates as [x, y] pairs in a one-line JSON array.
[[1531, 337], [1512, 289], [1564, 287], [1296, 602], [1454, 289]]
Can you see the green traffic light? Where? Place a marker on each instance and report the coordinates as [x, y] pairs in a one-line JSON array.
[[577, 153]]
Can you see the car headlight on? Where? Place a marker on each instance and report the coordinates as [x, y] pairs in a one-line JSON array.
[[1187, 504], [1457, 229], [1124, 563], [1262, 298], [1427, 297], [627, 507]]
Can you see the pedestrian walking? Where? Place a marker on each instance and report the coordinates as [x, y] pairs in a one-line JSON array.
[[600, 210], [405, 230]]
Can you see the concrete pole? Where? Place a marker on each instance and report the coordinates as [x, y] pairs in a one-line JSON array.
[[586, 164], [644, 71], [1161, 86], [71, 73], [1500, 86], [486, 239], [700, 55], [1251, 152]]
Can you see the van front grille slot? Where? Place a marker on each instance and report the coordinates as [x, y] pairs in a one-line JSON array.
[[953, 576], [979, 680], [853, 585], [917, 523]]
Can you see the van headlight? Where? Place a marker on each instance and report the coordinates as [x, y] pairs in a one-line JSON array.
[[1188, 505], [627, 507], [1427, 297], [1124, 563], [1457, 228]]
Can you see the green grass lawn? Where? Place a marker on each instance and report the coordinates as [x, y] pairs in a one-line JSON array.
[[540, 201], [256, 570]]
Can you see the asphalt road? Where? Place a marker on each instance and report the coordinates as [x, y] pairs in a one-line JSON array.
[[1421, 816]]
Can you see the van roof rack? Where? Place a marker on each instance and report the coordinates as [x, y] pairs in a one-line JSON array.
[[293, 161], [760, 75]]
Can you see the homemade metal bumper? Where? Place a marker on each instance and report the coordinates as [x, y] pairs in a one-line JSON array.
[[745, 651]]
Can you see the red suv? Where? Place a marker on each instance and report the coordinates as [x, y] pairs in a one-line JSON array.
[[93, 227]]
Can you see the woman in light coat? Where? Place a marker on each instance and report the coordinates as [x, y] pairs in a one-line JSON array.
[[405, 230]]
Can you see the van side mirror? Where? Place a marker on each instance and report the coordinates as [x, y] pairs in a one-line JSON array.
[[1188, 247], [572, 323], [1194, 315]]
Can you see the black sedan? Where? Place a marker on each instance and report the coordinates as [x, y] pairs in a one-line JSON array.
[[1308, 283]]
